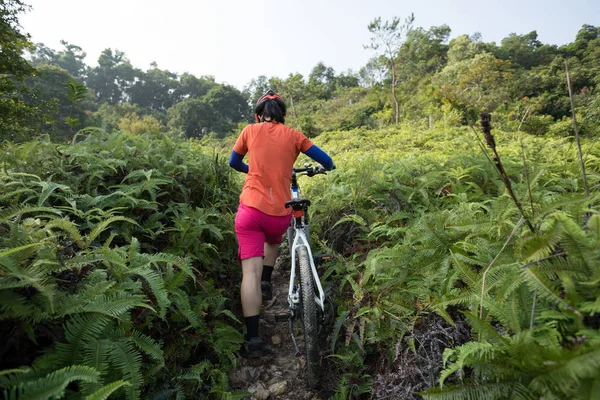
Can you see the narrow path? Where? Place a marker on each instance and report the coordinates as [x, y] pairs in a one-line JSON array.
[[279, 374]]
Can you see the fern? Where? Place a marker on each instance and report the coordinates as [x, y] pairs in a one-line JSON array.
[[148, 345], [104, 392], [564, 376], [10, 213], [124, 356], [95, 353], [502, 390], [79, 331], [50, 386]]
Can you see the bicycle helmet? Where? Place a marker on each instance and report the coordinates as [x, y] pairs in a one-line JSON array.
[[269, 95]]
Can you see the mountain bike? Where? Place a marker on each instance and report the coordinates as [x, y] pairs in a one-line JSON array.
[[306, 296]]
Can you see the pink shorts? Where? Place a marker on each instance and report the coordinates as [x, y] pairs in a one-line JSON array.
[[253, 228]]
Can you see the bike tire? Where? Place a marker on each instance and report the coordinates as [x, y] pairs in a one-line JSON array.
[[309, 318]]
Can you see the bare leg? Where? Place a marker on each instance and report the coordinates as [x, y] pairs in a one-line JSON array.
[[271, 252], [250, 290]]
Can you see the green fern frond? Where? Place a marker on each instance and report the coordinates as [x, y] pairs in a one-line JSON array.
[[465, 272], [12, 251], [129, 361], [181, 300], [484, 391], [101, 227], [8, 214], [47, 189], [95, 354], [593, 226], [562, 378], [104, 392], [147, 345], [17, 192], [54, 384], [114, 305], [546, 289], [69, 227], [591, 307], [156, 284], [463, 354], [339, 322], [79, 331]]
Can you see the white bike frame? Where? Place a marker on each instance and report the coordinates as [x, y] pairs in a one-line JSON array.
[[293, 298]]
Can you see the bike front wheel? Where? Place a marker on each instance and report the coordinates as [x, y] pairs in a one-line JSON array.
[[309, 318]]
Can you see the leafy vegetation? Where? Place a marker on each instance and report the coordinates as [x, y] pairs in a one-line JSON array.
[[466, 264], [115, 254], [435, 233]]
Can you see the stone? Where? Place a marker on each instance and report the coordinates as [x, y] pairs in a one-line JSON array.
[[276, 339], [261, 394], [258, 391], [253, 373], [240, 377], [237, 377], [278, 388]]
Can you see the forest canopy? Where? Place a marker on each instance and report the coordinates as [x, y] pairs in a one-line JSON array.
[[423, 77]]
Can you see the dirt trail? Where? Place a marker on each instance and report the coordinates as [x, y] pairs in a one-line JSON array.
[[279, 374]]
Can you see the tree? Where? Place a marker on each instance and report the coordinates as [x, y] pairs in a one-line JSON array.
[[134, 125], [71, 58], [256, 88], [463, 48], [480, 83], [525, 50], [55, 85], [112, 78], [321, 82], [14, 68], [194, 117], [229, 103], [154, 89], [425, 52], [192, 86], [389, 37]]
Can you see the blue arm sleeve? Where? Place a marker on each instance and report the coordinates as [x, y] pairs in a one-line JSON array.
[[235, 162], [321, 157]]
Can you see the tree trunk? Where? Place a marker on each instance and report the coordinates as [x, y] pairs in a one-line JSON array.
[[396, 105], [585, 185]]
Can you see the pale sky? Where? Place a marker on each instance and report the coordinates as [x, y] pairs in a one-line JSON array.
[[237, 40]]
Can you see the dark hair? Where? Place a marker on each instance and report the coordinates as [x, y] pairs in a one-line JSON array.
[[272, 110], [276, 109]]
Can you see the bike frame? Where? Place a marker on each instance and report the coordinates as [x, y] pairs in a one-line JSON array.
[[300, 239], [294, 297]]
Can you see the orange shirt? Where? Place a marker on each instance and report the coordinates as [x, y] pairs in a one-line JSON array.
[[272, 149]]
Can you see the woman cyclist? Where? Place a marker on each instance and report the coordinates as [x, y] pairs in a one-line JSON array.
[[262, 218]]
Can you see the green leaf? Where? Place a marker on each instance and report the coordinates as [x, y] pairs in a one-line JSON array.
[[104, 392]]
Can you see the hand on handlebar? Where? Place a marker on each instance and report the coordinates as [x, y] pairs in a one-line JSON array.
[[312, 171]]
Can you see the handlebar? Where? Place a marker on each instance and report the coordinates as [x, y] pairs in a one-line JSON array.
[[309, 171]]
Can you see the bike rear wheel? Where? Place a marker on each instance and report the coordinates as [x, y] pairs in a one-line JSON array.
[[309, 318]]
